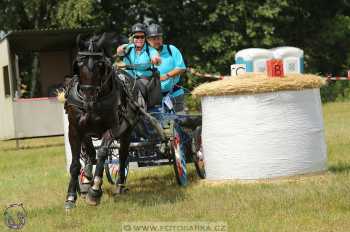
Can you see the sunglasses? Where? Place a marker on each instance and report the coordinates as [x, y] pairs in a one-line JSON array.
[[139, 37]]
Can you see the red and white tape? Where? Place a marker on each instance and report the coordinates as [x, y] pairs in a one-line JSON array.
[[338, 78], [221, 77], [206, 75]]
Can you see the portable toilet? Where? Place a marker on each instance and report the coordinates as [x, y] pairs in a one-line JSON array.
[[292, 57], [254, 59]]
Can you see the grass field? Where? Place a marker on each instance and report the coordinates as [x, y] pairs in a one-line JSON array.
[[36, 176]]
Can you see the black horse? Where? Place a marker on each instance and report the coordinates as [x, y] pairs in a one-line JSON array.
[[100, 102]]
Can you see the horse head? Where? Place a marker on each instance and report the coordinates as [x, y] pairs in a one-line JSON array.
[[94, 67]]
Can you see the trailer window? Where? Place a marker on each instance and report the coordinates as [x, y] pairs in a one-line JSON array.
[[5, 71]]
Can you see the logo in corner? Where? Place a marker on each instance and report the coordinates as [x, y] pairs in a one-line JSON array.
[[15, 216]]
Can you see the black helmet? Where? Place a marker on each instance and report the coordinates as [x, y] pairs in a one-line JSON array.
[[138, 27], [154, 30]]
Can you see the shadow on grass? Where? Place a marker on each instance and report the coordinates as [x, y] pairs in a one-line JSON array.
[[28, 147], [31, 143], [155, 189], [339, 168]]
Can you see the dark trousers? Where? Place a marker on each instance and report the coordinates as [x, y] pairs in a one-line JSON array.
[[179, 103]]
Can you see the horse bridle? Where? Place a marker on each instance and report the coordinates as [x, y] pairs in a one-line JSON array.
[[90, 64]]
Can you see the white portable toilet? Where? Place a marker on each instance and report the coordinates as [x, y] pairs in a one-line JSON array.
[[292, 57], [254, 59]]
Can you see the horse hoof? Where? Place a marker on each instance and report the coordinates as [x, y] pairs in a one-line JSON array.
[[68, 205], [83, 195], [84, 188], [92, 200], [120, 189], [93, 197]]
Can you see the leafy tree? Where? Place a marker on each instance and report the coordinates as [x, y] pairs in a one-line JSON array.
[[209, 33], [27, 14], [73, 14]]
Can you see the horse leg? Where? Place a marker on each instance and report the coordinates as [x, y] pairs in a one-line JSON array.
[[95, 191], [86, 178], [75, 143], [123, 156]]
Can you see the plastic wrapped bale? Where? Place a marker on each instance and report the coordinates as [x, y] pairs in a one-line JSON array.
[[255, 127]]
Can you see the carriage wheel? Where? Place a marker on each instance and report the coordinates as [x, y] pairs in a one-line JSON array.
[[85, 179], [112, 169], [198, 157], [86, 173], [111, 166], [179, 160]]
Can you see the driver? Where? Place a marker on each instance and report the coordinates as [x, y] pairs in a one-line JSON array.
[[170, 69], [138, 53], [139, 56]]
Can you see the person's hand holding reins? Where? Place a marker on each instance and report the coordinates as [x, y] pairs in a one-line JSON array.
[[156, 60], [173, 73], [121, 49], [163, 78]]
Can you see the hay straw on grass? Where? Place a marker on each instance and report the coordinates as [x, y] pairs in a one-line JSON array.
[[253, 83]]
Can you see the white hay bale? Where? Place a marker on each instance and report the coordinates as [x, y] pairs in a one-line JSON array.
[[263, 135]]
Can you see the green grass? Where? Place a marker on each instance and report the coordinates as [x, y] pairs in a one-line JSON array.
[[36, 176]]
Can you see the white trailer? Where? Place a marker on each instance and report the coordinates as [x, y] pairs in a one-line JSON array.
[[40, 116]]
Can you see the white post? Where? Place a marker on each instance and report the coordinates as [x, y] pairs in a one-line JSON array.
[[66, 140]]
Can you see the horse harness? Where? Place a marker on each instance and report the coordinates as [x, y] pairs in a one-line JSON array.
[[128, 112]]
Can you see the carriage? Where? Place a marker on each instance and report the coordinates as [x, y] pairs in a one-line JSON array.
[[178, 144], [106, 102]]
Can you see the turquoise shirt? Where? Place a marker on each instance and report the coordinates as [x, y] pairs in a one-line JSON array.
[[170, 62], [142, 58]]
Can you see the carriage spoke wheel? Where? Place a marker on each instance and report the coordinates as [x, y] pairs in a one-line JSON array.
[[112, 170], [179, 160], [84, 180], [198, 157], [112, 166]]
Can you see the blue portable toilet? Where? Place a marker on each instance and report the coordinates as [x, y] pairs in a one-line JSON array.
[[254, 59], [292, 57]]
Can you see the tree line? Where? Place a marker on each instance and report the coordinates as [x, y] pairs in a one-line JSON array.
[[208, 32]]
